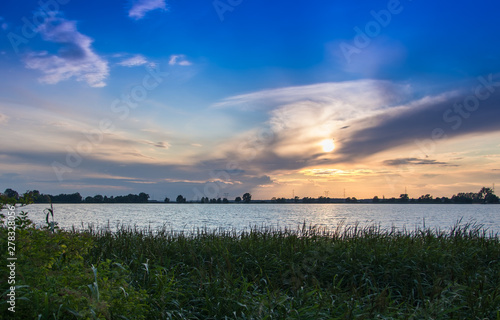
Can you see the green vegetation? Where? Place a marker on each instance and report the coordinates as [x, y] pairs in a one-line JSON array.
[[308, 273]]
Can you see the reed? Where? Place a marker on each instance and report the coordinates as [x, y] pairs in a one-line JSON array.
[[351, 272]]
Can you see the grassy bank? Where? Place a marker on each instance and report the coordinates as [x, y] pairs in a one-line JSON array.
[[308, 273]]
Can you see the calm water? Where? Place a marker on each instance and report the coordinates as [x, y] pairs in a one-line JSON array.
[[188, 217]]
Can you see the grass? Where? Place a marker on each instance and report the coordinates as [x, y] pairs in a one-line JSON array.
[[261, 273]]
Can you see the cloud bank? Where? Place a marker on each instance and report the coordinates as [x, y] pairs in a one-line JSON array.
[[364, 118]]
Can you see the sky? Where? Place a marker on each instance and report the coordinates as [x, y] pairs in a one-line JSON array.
[[276, 98]]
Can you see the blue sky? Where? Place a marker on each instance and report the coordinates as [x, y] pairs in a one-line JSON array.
[[205, 98]]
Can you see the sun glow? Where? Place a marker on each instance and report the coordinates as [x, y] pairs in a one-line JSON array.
[[328, 145]]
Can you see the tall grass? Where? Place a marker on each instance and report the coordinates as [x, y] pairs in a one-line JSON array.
[[270, 273]]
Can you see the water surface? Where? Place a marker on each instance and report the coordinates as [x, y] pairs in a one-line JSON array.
[[189, 217]]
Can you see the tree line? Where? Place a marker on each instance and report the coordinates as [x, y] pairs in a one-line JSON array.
[[35, 196], [247, 197], [11, 196], [485, 196]]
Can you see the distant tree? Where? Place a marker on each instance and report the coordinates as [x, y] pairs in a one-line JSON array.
[[376, 199], [486, 195], [483, 192], [98, 199], [462, 197], [225, 200], [143, 197], [237, 199], [180, 199], [273, 199], [425, 198], [89, 199], [491, 198], [247, 197], [9, 193], [322, 199], [403, 198], [307, 200], [33, 196], [75, 198], [281, 200], [67, 198], [445, 200], [38, 197], [351, 200], [296, 199], [167, 200], [9, 197], [219, 200]]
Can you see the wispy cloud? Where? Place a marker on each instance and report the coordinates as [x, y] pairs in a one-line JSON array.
[[360, 95], [161, 144], [75, 59], [414, 161], [141, 7], [179, 59], [335, 172], [135, 61]]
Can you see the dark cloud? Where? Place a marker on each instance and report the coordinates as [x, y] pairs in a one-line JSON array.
[[161, 144], [423, 126], [413, 161]]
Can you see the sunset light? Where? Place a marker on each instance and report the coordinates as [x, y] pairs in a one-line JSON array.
[[328, 145], [246, 159], [179, 97]]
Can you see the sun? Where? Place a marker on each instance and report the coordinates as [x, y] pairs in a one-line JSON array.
[[328, 145]]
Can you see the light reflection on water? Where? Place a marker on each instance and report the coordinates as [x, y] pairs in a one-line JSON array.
[[189, 217]]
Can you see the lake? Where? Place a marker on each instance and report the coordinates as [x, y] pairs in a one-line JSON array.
[[188, 217]]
